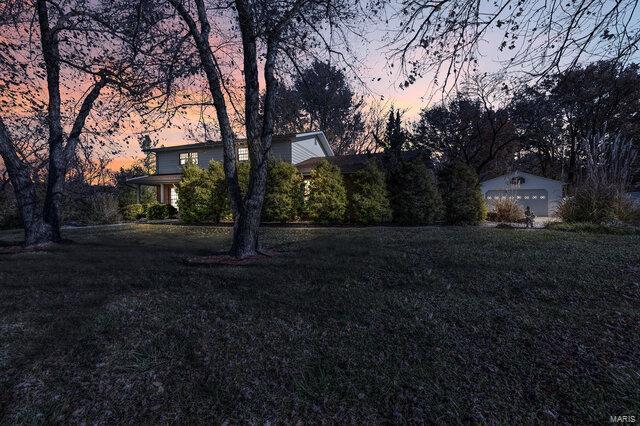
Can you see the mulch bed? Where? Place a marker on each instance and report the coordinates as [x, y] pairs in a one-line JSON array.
[[224, 259]]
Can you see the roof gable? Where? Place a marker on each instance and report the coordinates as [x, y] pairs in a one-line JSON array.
[[524, 174]]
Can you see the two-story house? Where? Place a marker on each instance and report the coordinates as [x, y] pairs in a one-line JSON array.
[[292, 148]]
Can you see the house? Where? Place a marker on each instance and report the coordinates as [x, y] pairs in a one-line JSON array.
[[541, 194], [292, 148]]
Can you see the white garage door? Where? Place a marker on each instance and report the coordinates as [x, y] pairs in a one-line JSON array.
[[536, 199]]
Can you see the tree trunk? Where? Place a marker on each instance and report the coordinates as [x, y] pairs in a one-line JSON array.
[[35, 229], [57, 162], [247, 211], [245, 230]]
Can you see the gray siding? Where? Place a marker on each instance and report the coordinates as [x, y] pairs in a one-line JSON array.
[[306, 148], [169, 161], [281, 151]]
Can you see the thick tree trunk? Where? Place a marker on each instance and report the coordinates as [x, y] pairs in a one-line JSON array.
[[245, 231], [57, 162], [247, 211], [36, 230]]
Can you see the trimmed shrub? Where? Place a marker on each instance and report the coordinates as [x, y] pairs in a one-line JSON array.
[[415, 198], [219, 195], [195, 195], [463, 200], [369, 199], [327, 200], [133, 212], [283, 199], [161, 211], [506, 210]]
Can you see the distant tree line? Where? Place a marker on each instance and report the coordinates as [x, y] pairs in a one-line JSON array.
[[550, 128]]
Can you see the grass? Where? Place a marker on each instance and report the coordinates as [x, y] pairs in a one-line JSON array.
[[594, 228], [368, 325]]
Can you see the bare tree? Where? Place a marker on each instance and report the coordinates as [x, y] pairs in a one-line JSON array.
[[268, 31], [48, 45], [538, 37]]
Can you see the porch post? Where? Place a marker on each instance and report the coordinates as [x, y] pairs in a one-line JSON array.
[[161, 193], [137, 194]]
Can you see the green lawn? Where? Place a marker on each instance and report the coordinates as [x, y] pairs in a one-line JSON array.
[[346, 325]]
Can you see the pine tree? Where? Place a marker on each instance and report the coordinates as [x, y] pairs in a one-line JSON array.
[[415, 197], [463, 200], [327, 200], [369, 200]]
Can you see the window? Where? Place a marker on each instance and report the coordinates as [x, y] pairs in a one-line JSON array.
[[518, 180], [188, 158], [243, 154]]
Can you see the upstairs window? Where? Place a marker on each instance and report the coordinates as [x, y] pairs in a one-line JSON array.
[[188, 158], [243, 154]]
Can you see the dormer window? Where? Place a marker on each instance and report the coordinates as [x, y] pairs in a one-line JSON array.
[[188, 158], [243, 154], [518, 180]]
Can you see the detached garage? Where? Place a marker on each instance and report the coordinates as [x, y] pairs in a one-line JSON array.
[[541, 194]]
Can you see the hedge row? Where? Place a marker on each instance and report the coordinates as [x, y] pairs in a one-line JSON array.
[[410, 194], [407, 194]]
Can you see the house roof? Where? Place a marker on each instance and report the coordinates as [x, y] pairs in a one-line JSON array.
[[519, 173], [155, 179], [350, 163], [286, 137]]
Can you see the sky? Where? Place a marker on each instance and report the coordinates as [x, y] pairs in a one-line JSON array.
[[372, 75]]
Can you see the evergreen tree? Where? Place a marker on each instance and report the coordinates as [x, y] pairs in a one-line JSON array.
[[283, 200], [463, 200], [369, 200], [194, 195], [327, 194], [415, 198]]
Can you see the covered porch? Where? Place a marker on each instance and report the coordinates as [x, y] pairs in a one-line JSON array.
[[165, 187]]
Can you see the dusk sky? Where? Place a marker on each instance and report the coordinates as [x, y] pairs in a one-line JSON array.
[[372, 77]]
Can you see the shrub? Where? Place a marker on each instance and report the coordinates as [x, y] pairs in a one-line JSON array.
[[415, 198], [463, 200], [219, 194], [195, 200], [103, 209], [133, 212], [161, 211], [327, 195], [283, 199], [219, 198], [596, 204], [369, 199], [506, 210]]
